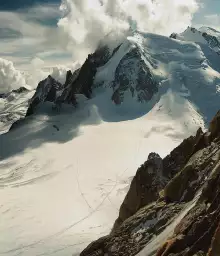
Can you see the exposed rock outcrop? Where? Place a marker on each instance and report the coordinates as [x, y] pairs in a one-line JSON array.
[[215, 246], [175, 201], [206, 34], [132, 74], [47, 90], [20, 90], [144, 189], [79, 82]]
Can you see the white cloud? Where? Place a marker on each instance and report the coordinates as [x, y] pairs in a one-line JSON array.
[[28, 35], [86, 22], [37, 48], [36, 72], [59, 72], [10, 78]]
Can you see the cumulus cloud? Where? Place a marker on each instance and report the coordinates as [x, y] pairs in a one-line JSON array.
[[36, 72], [87, 22], [10, 78], [59, 72]]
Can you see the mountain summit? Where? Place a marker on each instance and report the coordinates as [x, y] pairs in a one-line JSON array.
[[141, 69], [204, 35]]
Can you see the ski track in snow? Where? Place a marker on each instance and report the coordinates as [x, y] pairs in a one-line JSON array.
[[82, 194], [67, 228]]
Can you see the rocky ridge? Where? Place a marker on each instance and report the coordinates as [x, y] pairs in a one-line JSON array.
[[209, 35], [131, 74], [13, 107], [173, 204]]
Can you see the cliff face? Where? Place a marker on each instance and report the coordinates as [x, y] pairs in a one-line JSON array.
[[173, 204]]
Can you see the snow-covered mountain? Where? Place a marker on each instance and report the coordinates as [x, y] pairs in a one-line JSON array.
[[204, 35], [13, 107], [65, 170], [142, 67]]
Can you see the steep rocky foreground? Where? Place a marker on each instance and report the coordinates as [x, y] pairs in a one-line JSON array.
[[173, 204]]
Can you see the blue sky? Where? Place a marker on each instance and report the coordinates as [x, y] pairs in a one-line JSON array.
[[28, 30], [208, 14]]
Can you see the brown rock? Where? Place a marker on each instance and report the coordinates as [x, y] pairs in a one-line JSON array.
[[214, 127], [144, 189], [215, 246], [193, 167]]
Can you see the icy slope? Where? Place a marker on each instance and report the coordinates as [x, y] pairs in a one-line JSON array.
[[13, 107], [162, 62], [204, 35]]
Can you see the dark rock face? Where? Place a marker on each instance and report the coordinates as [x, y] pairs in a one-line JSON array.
[[173, 35], [144, 189], [214, 126], [20, 90], [212, 40], [184, 186], [69, 76], [46, 91], [215, 246], [132, 74], [80, 82]]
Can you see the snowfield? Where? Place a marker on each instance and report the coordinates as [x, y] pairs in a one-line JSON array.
[[62, 189], [64, 175], [12, 108]]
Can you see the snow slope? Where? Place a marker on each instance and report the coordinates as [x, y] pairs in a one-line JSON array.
[[210, 31], [203, 35], [12, 108], [63, 176], [184, 66], [62, 189]]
